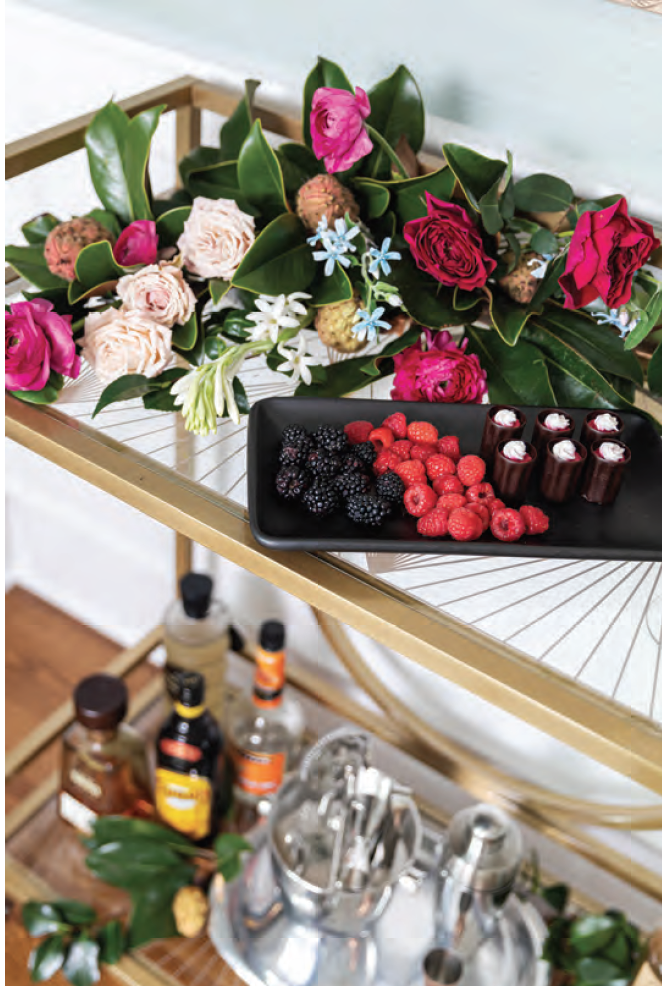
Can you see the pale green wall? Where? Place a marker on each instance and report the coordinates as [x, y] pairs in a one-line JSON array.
[[576, 82]]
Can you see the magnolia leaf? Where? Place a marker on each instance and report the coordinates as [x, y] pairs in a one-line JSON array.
[[475, 173], [655, 372], [47, 395], [396, 111], [170, 225], [408, 196], [350, 375], [489, 203], [515, 374], [123, 389], [96, 269], [465, 300], [509, 317], [112, 942], [184, 336], [375, 197], [47, 958], [279, 262], [427, 302], [41, 918], [218, 288], [236, 128], [206, 174], [298, 164], [107, 219], [81, 966], [330, 290], [326, 74], [543, 193], [597, 343], [36, 230], [260, 176], [29, 262]]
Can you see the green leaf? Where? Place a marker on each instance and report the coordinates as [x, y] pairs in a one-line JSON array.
[[170, 225], [543, 241], [218, 289], [516, 250], [205, 172], [647, 321], [107, 219], [112, 942], [151, 912], [543, 193], [76, 912], [350, 375], [200, 159], [509, 318], [236, 128], [298, 164], [236, 326], [325, 74], [596, 343], [396, 110], [489, 203], [243, 405], [408, 195], [123, 389], [465, 300], [515, 374], [41, 918], [180, 197], [590, 934], [655, 372], [330, 290], [184, 336], [95, 269], [596, 972], [426, 301], [375, 197], [114, 828], [475, 173], [556, 896], [29, 262], [47, 958], [47, 395], [260, 176], [36, 230], [81, 966], [618, 951], [118, 151], [160, 400], [279, 262]]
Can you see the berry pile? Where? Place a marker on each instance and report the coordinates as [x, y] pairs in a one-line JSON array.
[[370, 471]]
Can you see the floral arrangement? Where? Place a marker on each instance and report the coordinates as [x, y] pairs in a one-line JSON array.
[[347, 236]]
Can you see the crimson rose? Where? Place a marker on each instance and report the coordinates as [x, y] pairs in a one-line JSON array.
[[447, 245], [606, 249]]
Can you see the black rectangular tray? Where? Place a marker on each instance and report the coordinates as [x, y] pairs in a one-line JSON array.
[[630, 528]]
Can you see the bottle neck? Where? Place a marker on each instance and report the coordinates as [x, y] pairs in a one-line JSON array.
[[269, 680], [189, 712]]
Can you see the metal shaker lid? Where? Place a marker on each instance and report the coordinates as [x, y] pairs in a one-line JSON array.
[[483, 849]]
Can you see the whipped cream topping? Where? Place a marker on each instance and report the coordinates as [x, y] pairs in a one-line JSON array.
[[556, 422], [611, 452], [515, 451], [605, 422], [506, 418], [565, 451]]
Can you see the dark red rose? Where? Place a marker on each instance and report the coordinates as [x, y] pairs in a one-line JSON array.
[[606, 249], [447, 245]]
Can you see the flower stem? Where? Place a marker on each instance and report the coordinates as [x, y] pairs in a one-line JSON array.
[[388, 150]]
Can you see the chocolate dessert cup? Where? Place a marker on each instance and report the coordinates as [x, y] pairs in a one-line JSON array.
[[560, 478], [590, 435], [602, 479], [510, 476], [494, 433], [543, 435]]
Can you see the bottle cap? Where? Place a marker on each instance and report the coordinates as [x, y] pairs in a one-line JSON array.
[[191, 689], [101, 701], [272, 635], [196, 593]]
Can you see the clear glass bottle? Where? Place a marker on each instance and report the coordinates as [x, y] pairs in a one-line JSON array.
[[197, 638], [264, 731], [104, 761], [650, 973]]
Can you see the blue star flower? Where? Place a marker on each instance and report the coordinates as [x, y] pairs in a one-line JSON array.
[[337, 243], [381, 257], [369, 324], [620, 319], [543, 264], [320, 233]]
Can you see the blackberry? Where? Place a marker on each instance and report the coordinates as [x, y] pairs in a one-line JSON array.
[[366, 452], [293, 435], [292, 481], [295, 452], [367, 509], [320, 499], [390, 487], [323, 463], [332, 439], [352, 463], [351, 483]]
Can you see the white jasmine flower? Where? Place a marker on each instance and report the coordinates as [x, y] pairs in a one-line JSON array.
[[297, 361], [277, 313]]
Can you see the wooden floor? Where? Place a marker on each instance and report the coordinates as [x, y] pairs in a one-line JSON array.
[[46, 655]]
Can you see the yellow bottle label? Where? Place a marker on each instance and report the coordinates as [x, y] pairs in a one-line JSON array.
[[184, 802]]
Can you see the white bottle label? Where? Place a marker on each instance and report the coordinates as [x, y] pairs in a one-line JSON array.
[[77, 814]]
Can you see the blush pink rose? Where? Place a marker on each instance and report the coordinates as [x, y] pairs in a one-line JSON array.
[[37, 340], [117, 342], [137, 244], [606, 250], [442, 373], [447, 245], [158, 291], [337, 128]]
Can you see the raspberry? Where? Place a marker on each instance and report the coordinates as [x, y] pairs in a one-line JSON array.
[[386, 461], [434, 524], [481, 511], [381, 438], [451, 501], [494, 504], [420, 499], [447, 484], [421, 432], [507, 525], [471, 469], [449, 445], [410, 472], [480, 492], [464, 525], [423, 451], [403, 448], [440, 465], [537, 522], [358, 431], [397, 423]]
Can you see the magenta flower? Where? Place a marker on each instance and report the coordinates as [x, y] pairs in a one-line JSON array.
[[137, 244], [442, 373], [37, 340], [337, 129]]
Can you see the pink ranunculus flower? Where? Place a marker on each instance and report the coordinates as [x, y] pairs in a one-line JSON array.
[[37, 340], [446, 244], [137, 244], [442, 373], [337, 129]]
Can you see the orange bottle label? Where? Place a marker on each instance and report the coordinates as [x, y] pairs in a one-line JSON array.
[[269, 678], [259, 774], [184, 802]]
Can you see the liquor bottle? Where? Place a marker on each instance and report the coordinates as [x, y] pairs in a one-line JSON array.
[[197, 636], [650, 973], [189, 763], [104, 761], [263, 731]]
